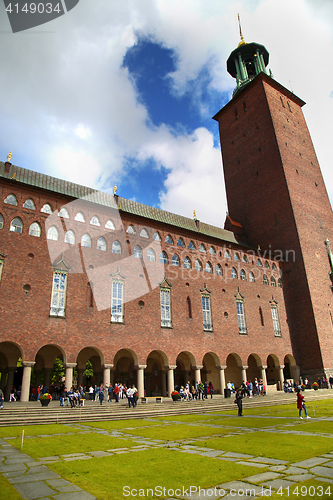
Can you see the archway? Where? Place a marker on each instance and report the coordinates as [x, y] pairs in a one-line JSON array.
[[95, 357], [185, 371], [155, 374], [253, 371], [125, 362], [291, 369], [272, 372], [210, 372], [11, 374], [233, 372]]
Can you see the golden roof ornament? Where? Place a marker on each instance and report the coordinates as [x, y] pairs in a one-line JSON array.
[[242, 42], [9, 156], [194, 215], [115, 190]]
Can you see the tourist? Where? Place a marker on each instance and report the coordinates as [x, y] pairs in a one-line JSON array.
[[239, 402], [301, 405], [211, 390], [1, 399]]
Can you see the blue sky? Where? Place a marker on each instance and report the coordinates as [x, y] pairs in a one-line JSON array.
[[124, 92]]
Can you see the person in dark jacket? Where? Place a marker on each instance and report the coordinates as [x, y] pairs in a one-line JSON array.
[[239, 402]]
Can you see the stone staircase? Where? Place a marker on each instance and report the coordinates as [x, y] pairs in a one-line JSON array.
[[32, 413]]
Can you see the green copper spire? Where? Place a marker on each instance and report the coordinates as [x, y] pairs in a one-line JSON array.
[[247, 61]]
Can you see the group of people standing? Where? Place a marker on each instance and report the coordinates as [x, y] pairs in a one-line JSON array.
[[200, 390]]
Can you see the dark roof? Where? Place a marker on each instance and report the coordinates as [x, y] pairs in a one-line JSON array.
[[60, 186]]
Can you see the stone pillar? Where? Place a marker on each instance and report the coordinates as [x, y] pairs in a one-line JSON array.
[[3, 379], [69, 375], [263, 375], [164, 390], [10, 380], [171, 379], [47, 374], [26, 378], [197, 375], [281, 377], [107, 375], [222, 378], [141, 379], [243, 370]]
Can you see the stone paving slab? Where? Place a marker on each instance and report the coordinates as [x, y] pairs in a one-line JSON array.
[[252, 464], [46, 459], [279, 483], [79, 495], [310, 462], [71, 459], [228, 459], [42, 476], [32, 491], [237, 455], [14, 474], [322, 471], [11, 468], [12, 461], [279, 468], [295, 470], [211, 454], [58, 482], [265, 476], [74, 455], [68, 489], [329, 464], [99, 453], [240, 485], [299, 477], [36, 470], [266, 460]]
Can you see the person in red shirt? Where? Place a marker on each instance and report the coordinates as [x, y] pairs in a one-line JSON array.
[[301, 405]]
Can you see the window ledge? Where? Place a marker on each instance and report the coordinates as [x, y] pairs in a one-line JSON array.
[[55, 316]]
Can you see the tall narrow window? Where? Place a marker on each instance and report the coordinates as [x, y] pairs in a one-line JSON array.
[[163, 258], [117, 302], [206, 312], [189, 307], [165, 307], [58, 299], [1, 221], [241, 314], [261, 316], [275, 318], [1, 267]]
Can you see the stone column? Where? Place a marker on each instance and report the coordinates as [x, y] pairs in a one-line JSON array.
[[171, 379], [107, 375], [281, 377], [47, 374], [263, 375], [197, 375], [243, 370], [141, 379], [222, 378], [10, 380], [69, 375], [164, 391], [26, 378]]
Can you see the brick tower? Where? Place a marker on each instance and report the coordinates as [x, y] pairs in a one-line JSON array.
[[275, 190]]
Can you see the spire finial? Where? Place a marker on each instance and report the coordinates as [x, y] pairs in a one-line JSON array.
[[115, 189], [242, 42], [9, 156]]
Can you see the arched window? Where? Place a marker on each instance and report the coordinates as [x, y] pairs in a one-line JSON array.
[[209, 268], [95, 221], [110, 225], [163, 258], [242, 275], [35, 230], [116, 247], [16, 225], [1, 222], [265, 280], [180, 243], [63, 213], [11, 199], [144, 234], [187, 263], [175, 260], [251, 277], [191, 245], [198, 265], [130, 229], [157, 236], [101, 244], [137, 252], [151, 255], [219, 271], [86, 241], [212, 251], [245, 259], [169, 240], [259, 264], [227, 254], [280, 283], [234, 273], [53, 233], [273, 281], [266, 265], [202, 248], [29, 204], [46, 209], [274, 266], [237, 257], [70, 237], [79, 217]]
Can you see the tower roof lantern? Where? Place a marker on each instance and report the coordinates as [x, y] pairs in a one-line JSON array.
[[246, 62]]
